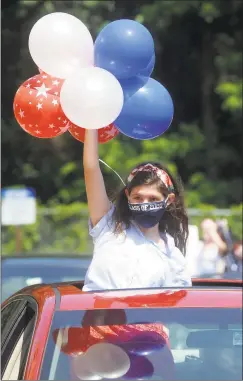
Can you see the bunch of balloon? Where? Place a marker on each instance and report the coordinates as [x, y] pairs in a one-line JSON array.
[[125, 48], [82, 85], [69, 93]]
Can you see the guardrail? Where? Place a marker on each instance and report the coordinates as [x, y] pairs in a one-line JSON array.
[[191, 212]]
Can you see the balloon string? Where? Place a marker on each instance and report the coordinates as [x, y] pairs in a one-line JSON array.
[[113, 171]]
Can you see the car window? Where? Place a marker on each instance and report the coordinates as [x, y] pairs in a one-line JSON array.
[[17, 342], [145, 343], [8, 313]]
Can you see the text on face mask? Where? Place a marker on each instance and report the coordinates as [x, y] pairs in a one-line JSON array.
[[146, 207]]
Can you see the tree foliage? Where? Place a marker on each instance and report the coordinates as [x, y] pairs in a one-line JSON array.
[[198, 59]]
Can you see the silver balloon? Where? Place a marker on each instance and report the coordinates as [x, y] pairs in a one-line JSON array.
[[91, 98], [107, 360], [82, 370], [59, 43]]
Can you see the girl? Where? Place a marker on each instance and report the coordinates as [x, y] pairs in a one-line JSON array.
[[139, 240]]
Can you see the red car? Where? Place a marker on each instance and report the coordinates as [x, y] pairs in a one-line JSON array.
[[58, 332]]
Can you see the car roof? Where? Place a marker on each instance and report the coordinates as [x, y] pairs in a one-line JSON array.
[[72, 297], [69, 296]]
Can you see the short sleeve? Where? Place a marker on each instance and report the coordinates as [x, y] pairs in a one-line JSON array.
[[103, 226]]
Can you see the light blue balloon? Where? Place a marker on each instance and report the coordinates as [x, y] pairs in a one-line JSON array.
[[124, 48], [148, 109]]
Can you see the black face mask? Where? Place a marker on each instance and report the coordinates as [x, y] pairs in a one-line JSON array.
[[147, 215]]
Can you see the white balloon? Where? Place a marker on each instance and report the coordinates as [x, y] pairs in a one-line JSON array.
[[107, 360], [91, 98], [82, 370], [59, 43]]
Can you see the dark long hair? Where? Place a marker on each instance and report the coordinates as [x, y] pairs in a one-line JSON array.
[[174, 220]]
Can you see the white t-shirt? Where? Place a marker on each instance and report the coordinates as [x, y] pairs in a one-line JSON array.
[[130, 260]]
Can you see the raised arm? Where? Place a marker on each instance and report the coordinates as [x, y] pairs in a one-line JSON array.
[[98, 202]]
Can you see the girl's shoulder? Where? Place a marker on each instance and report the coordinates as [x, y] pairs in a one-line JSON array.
[[105, 224]]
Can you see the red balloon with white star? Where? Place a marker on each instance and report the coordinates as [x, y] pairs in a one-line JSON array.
[[37, 107], [105, 134]]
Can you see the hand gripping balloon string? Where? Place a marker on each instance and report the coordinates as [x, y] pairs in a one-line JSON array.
[[113, 171]]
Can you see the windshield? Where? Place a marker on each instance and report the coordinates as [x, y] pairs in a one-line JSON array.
[[19, 273], [145, 343]]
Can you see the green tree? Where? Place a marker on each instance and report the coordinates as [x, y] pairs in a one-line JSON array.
[[198, 59]]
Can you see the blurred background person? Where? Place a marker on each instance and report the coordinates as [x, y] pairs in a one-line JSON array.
[[233, 256], [211, 250], [238, 255]]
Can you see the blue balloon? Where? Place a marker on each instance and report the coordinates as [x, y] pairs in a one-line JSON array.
[[144, 343], [148, 109], [149, 69], [124, 48]]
